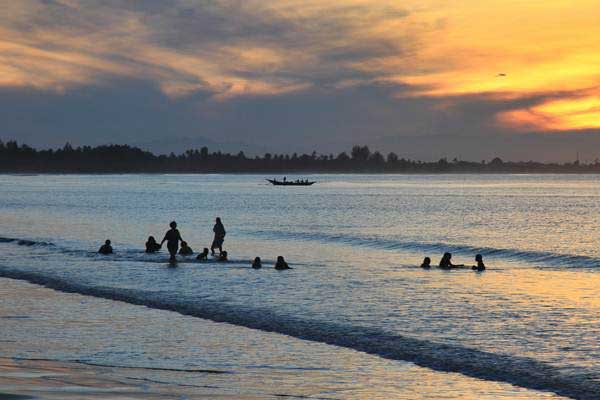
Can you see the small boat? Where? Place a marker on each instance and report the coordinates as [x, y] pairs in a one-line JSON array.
[[290, 183]]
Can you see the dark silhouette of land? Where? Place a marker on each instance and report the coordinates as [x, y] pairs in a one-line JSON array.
[[15, 158]]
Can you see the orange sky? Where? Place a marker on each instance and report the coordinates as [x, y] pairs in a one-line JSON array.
[[547, 50]]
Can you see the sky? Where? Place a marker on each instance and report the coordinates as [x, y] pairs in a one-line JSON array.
[[424, 78]]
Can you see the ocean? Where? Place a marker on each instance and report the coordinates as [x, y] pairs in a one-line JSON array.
[[355, 318]]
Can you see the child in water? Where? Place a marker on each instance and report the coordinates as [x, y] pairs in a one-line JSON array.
[[203, 256], [185, 250], [106, 248], [281, 264], [426, 263], [480, 265], [256, 264], [151, 245], [223, 257]]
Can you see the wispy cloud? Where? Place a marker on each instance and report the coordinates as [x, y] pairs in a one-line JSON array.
[[432, 51], [231, 48]]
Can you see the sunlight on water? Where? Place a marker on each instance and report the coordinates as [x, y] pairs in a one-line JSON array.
[[354, 242], [45, 324]]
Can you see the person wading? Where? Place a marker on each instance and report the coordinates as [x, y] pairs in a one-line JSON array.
[[172, 237], [219, 231]]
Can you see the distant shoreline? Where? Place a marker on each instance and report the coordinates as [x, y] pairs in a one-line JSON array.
[[123, 159]]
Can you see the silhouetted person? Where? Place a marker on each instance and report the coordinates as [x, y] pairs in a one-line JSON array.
[[185, 250], [172, 237], [223, 257], [446, 263], [151, 245], [426, 263], [203, 256], [281, 264], [480, 265], [257, 264], [106, 248], [219, 231]]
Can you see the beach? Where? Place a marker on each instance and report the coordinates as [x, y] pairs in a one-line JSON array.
[[355, 318]]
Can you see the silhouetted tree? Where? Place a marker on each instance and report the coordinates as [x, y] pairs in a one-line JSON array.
[[120, 159]]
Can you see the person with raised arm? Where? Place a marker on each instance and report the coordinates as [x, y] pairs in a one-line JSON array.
[[446, 263]]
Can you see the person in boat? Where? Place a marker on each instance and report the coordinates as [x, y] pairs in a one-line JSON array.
[[185, 250], [480, 265], [223, 257], [106, 248], [257, 264], [203, 256], [446, 262], [281, 264], [219, 231], [426, 263], [172, 237], [151, 245]]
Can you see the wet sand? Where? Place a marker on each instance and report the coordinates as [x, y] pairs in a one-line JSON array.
[[44, 379]]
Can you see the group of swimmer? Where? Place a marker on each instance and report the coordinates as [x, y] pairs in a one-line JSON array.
[[173, 238], [446, 263]]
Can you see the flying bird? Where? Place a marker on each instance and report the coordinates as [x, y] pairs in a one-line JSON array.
[[501, 74]]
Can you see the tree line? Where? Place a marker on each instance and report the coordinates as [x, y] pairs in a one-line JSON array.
[[15, 158]]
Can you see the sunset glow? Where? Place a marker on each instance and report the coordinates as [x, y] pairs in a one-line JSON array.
[[540, 56]]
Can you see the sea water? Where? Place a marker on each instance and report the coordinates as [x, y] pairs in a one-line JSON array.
[[354, 242]]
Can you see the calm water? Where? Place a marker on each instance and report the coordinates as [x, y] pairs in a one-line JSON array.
[[354, 241]]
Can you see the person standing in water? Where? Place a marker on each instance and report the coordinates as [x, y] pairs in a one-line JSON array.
[[219, 231], [172, 237]]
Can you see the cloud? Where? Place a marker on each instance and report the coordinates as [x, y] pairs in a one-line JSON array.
[[231, 48], [292, 71]]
